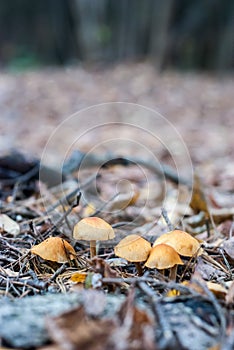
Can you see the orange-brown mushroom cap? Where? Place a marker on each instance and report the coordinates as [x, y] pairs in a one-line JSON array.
[[133, 248], [162, 256], [93, 229], [54, 249], [181, 241]]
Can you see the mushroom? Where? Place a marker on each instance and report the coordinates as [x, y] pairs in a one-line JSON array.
[[135, 249], [54, 249], [162, 257], [93, 229], [181, 241]]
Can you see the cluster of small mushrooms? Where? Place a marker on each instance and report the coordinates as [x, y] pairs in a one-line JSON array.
[[165, 253]]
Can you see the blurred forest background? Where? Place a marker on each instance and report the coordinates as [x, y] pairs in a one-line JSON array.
[[172, 34]]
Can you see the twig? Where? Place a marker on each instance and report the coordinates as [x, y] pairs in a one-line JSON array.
[[60, 221], [162, 170], [167, 341], [226, 263], [22, 178], [167, 220], [123, 223], [153, 282], [104, 205], [70, 196], [60, 270]]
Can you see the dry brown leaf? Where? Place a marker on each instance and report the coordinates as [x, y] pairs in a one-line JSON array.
[[230, 294], [100, 266], [208, 271], [136, 326], [218, 290], [198, 201], [220, 215], [123, 200], [225, 228], [215, 347], [8, 225], [228, 246], [74, 330]]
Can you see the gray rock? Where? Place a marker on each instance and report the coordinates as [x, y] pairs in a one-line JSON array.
[[22, 321]]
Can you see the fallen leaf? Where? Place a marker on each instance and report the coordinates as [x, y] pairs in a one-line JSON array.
[[230, 294], [172, 293], [136, 330], [100, 266], [198, 201], [89, 210], [123, 200], [207, 271], [8, 225], [218, 290], [78, 277], [228, 246], [225, 228], [74, 330]]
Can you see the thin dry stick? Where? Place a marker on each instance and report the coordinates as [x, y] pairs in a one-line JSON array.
[[71, 195], [167, 220], [104, 205], [167, 341], [73, 164], [226, 263]]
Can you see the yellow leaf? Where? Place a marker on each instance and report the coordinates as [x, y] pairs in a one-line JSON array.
[[89, 210], [172, 293], [78, 277]]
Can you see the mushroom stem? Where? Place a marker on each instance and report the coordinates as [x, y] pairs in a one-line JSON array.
[[139, 268], [173, 273], [93, 251]]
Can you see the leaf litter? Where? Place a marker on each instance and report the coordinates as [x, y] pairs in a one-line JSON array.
[[103, 303], [149, 316]]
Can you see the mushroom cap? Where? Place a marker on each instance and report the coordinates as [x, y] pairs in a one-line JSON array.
[[181, 241], [133, 248], [54, 249], [93, 229], [162, 256]]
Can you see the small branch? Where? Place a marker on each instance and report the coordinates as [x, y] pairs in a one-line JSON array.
[[167, 220]]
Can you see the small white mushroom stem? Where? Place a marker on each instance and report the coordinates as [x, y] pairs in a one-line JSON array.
[[173, 273], [93, 251], [139, 268]]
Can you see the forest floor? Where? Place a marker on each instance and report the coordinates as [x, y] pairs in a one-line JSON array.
[[149, 142]]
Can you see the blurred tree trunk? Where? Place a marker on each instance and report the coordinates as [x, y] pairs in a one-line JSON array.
[[159, 30], [225, 52], [130, 26], [91, 17], [176, 33]]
